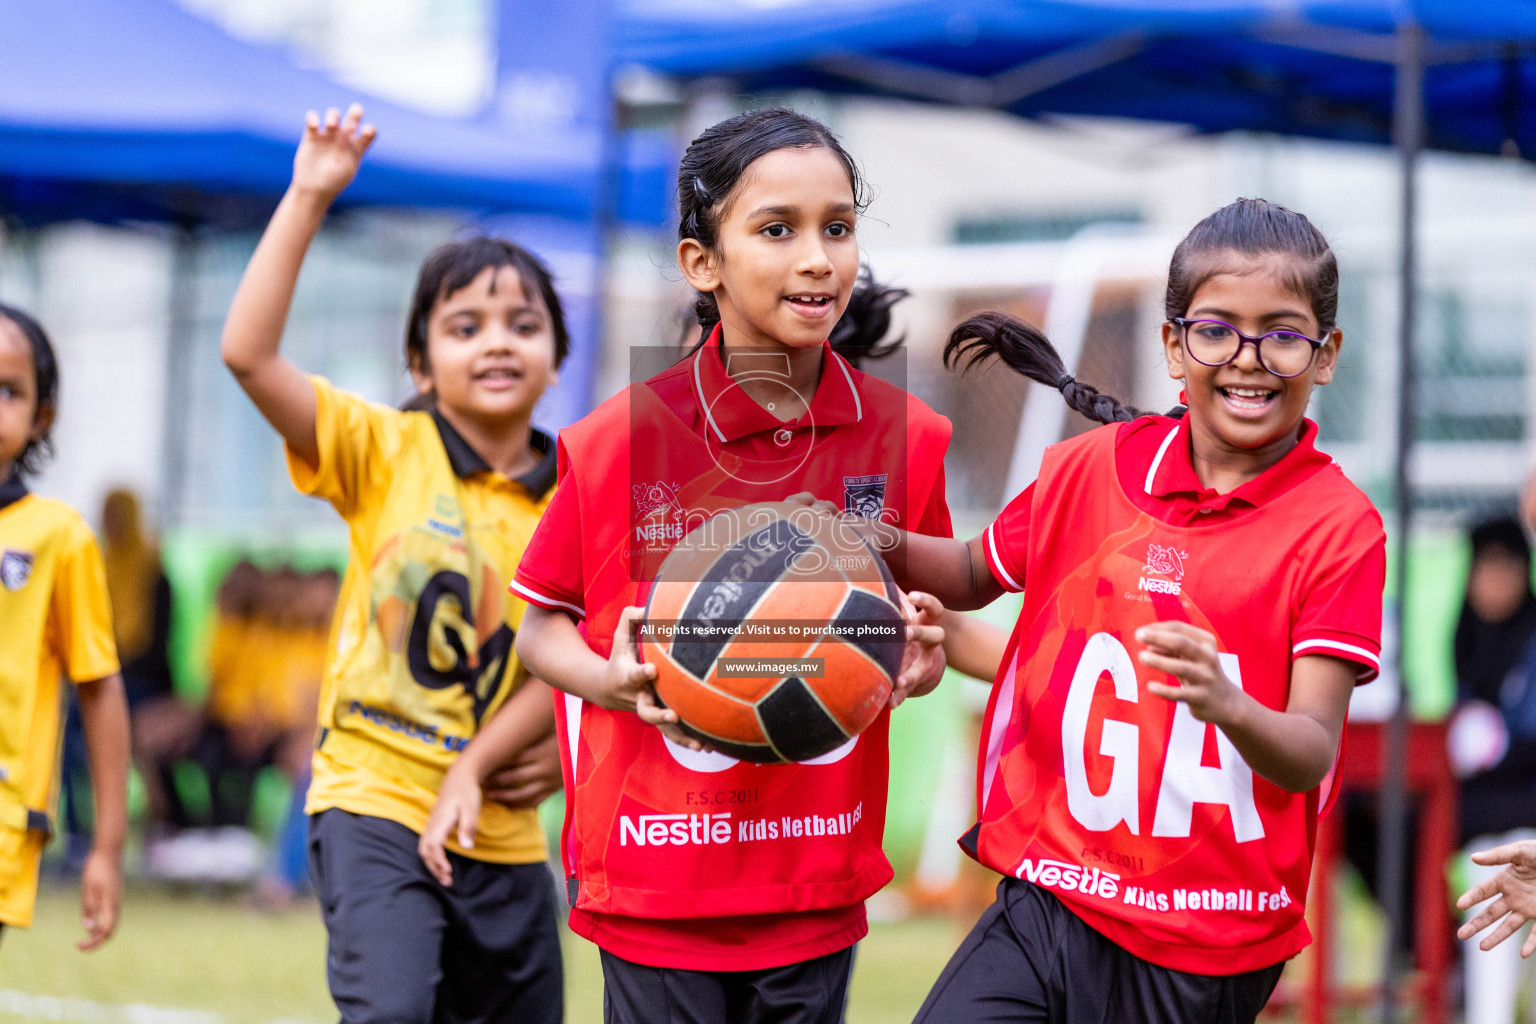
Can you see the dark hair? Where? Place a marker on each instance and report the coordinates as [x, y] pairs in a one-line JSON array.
[[1031, 353], [452, 266], [715, 163], [1255, 228], [1504, 533], [45, 374], [861, 332], [1248, 227]]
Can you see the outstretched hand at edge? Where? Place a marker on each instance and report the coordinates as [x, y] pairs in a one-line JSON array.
[[1515, 887]]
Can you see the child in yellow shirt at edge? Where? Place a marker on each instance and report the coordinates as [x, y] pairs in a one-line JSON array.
[[55, 621], [440, 501]]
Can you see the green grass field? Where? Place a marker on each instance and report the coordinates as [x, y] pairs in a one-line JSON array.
[[198, 959], [195, 958]]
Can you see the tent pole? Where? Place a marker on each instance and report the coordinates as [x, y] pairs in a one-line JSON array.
[[176, 426], [1408, 134]]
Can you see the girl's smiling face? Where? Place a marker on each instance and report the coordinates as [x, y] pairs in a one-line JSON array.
[[1242, 406], [490, 348], [786, 260]]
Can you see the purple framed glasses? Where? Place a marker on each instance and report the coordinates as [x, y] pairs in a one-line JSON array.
[[1217, 343]]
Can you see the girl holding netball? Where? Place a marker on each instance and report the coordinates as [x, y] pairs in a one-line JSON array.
[[1202, 591], [439, 502], [701, 915]]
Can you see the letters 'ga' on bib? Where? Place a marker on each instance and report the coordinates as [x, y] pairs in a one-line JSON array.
[[651, 829], [1145, 821]]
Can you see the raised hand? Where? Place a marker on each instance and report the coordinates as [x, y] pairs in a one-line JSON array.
[[331, 151]]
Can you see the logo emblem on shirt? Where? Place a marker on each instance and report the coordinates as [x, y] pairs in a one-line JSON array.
[[1164, 561], [658, 511], [15, 569], [864, 495]]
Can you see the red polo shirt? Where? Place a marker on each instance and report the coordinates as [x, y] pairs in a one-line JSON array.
[[1146, 822], [1156, 471], [691, 439]]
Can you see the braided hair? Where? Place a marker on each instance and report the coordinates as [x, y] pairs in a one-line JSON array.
[[1028, 351]]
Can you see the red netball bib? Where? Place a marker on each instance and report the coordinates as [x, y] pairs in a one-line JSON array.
[[1145, 821]]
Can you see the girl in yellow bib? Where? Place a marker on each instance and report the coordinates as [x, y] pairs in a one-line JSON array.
[[55, 622], [439, 501]]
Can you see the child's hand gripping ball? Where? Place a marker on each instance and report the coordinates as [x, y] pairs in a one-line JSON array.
[[776, 633]]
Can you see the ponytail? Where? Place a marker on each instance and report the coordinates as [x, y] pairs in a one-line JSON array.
[[1028, 351], [861, 332]]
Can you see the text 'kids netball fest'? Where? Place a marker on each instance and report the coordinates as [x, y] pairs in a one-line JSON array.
[[663, 512]]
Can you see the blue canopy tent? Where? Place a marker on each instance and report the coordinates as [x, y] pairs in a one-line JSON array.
[[1413, 73], [140, 110], [1317, 68]]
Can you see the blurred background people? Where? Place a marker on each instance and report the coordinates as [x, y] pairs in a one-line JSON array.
[[288, 872], [265, 660], [141, 623], [242, 720], [1492, 734], [162, 724]]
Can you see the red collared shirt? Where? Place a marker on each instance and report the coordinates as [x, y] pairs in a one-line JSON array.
[[701, 393], [1155, 468], [1147, 823], [867, 445]]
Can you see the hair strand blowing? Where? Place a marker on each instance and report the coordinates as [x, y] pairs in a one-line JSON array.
[[1029, 352]]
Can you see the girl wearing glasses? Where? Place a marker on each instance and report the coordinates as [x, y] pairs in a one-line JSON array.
[[1202, 592]]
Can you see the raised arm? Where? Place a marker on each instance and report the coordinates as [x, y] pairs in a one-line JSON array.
[[325, 164]]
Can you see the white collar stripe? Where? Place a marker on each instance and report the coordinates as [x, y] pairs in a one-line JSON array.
[[858, 405], [1157, 460], [704, 400]]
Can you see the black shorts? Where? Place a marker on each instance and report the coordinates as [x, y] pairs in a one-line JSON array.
[[405, 950], [1030, 959], [808, 992]]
